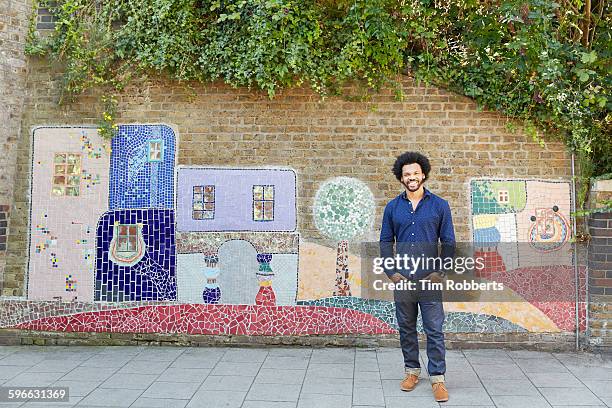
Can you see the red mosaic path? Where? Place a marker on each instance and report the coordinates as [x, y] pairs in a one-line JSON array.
[[550, 288], [218, 319]]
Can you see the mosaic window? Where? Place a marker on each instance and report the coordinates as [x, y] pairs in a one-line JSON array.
[[503, 196], [203, 202], [156, 150], [66, 174], [127, 247], [263, 203]]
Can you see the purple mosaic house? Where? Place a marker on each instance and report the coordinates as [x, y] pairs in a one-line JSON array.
[[229, 199]]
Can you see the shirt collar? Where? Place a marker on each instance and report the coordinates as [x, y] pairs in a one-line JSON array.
[[426, 193]]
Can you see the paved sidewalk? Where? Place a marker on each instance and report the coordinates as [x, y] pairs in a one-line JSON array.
[[301, 378]]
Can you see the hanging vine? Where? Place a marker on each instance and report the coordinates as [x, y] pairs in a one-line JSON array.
[[542, 62]]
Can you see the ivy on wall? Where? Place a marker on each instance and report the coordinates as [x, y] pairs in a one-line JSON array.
[[542, 62]]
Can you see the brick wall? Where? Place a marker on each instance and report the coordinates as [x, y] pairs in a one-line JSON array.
[[14, 16], [600, 269], [219, 125]]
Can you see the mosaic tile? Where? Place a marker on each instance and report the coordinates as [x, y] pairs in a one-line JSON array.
[[454, 321], [192, 242], [245, 199], [217, 320], [142, 167], [69, 192], [153, 277]]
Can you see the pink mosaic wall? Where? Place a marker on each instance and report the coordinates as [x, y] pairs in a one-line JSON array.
[[70, 173]]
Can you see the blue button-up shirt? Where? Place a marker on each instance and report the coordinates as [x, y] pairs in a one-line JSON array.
[[417, 231]]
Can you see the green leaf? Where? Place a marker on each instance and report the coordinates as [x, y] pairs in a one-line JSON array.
[[588, 58]]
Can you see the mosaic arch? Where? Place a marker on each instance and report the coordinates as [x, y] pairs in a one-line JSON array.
[[123, 240]]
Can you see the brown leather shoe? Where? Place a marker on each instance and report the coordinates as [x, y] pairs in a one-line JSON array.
[[440, 392], [409, 382]]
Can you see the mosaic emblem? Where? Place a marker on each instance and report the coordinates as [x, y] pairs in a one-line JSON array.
[[212, 291], [550, 230]]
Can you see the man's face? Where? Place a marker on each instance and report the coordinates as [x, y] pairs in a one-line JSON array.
[[412, 176]]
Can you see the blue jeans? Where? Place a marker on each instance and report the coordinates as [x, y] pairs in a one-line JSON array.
[[432, 314]]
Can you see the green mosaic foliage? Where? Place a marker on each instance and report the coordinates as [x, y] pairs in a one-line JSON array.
[[344, 208]]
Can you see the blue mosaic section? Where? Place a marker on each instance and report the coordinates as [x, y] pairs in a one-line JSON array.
[[455, 322], [154, 277], [139, 179]]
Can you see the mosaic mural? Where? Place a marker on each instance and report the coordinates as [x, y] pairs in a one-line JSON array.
[[122, 240], [534, 214]]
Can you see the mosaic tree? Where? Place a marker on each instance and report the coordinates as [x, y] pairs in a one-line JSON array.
[[343, 210]]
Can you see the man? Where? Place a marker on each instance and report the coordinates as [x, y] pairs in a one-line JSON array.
[[416, 221]]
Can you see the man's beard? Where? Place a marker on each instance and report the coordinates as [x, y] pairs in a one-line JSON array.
[[413, 189]]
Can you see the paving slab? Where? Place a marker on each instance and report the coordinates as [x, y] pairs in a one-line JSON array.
[[328, 386], [410, 401], [245, 355], [368, 396], [159, 403], [28, 379], [144, 367], [601, 388], [117, 398], [129, 381], [335, 370], [227, 383], [287, 362], [89, 374], [554, 380], [164, 354], [78, 388], [520, 401], [509, 387], [268, 404], [274, 392], [280, 376], [217, 399], [243, 369], [499, 372], [324, 401], [54, 366], [172, 390], [197, 375], [573, 397]]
